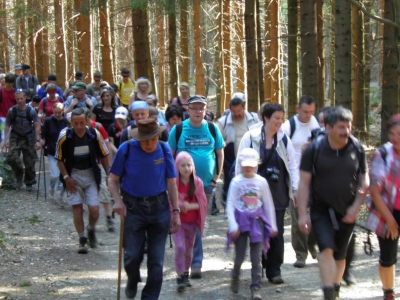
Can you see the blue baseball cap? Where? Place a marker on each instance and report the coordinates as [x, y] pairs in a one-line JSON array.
[[139, 105]]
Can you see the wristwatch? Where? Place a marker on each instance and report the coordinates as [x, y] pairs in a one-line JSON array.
[[176, 210], [66, 176]]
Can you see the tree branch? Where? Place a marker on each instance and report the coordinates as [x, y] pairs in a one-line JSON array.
[[382, 20]]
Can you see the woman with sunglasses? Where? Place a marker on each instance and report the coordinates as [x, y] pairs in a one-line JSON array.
[[104, 112], [47, 103], [143, 89]]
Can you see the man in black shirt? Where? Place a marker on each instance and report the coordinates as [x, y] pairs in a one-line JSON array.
[[336, 170], [78, 150]]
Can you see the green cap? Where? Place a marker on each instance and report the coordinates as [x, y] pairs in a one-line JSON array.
[[79, 86]]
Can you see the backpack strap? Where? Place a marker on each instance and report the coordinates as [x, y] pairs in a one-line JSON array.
[[382, 150], [28, 113], [178, 132], [44, 104], [292, 123]]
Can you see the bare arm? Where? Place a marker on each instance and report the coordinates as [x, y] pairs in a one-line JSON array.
[[69, 182], [173, 197], [352, 211], [113, 186], [303, 194], [220, 159], [38, 128]]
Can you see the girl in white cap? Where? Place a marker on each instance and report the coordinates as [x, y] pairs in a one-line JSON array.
[[251, 215]]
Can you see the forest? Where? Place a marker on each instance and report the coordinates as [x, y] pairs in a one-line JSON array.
[[342, 52]]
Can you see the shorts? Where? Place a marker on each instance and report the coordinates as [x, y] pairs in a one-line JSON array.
[[86, 188], [104, 193], [388, 247], [327, 237]]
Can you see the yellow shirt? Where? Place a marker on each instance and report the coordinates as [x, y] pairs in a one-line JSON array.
[[125, 91]]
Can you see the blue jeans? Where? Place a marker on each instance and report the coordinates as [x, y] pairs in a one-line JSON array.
[[154, 218], [197, 260]]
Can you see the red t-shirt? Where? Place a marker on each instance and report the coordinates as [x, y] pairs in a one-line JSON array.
[[49, 106], [190, 216], [7, 100], [101, 130]]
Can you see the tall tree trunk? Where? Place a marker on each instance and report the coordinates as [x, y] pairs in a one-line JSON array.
[[173, 68], [332, 60], [114, 54], [343, 53], [259, 52], [293, 74], [22, 51], [31, 42], [358, 83], [320, 54], [225, 35], [84, 37], [161, 58], [239, 31], [184, 41], [107, 69], [70, 41], [274, 51], [140, 38], [198, 33], [309, 68], [368, 56], [251, 55], [390, 80], [61, 58], [3, 38], [222, 88], [128, 61], [267, 54]]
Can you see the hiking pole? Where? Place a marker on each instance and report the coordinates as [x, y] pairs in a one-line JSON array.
[[40, 170], [121, 239], [44, 177]]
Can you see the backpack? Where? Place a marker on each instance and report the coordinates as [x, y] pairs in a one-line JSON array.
[[211, 128], [28, 114], [292, 124], [228, 112], [45, 103]]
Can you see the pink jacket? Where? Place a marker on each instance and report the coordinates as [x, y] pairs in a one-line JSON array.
[[199, 191]]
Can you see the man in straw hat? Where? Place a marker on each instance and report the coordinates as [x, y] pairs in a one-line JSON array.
[[147, 169]]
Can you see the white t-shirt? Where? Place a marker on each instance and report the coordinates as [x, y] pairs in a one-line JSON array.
[[301, 134], [248, 195]]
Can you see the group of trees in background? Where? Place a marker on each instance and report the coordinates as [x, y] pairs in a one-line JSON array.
[[342, 52]]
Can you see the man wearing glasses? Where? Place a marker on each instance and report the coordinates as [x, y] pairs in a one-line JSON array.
[[93, 89], [205, 148], [125, 87]]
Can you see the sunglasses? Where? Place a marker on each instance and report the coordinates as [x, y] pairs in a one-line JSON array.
[[125, 75]]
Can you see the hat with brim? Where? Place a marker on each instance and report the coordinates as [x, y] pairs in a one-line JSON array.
[[249, 157], [79, 86], [146, 130]]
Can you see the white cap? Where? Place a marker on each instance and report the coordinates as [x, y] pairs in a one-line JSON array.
[[239, 95], [249, 157], [121, 113]]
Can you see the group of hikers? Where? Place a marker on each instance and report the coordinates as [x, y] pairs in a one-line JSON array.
[[158, 170]]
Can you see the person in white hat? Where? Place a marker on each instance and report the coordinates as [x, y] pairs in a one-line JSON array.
[[251, 214], [115, 130]]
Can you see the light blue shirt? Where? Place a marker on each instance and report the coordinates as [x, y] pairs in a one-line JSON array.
[[67, 103]]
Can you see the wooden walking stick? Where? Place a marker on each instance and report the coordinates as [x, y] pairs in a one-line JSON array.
[[121, 240]]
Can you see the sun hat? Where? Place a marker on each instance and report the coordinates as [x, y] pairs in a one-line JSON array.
[[249, 157], [121, 113], [79, 86], [146, 130], [197, 99], [18, 67]]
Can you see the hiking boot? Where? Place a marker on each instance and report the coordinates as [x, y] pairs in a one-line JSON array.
[[130, 289], [29, 188], [195, 273], [255, 294], [181, 283], [110, 224], [82, 249], [234, 285], [329, 293], [186, 279], [389, 295], [276, 280], [299, 264], [214, 211], [92, 238], [349, 278]]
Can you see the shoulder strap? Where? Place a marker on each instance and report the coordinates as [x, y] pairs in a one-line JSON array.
[[285, 140], [29, 114], [14, 113], [178, 133], [382, 150], [292, 123], [211, 127], [44, 104], [316, 146], [179, 100], [226, 119], [162, 146]]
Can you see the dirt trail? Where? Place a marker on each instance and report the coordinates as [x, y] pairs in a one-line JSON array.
[[38, 260]]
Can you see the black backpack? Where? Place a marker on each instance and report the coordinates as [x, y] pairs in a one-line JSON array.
[[28, 114], [292, 124]]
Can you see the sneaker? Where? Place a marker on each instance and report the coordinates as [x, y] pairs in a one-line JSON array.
[[234, 285], [389, 295], [276, 280], [181, 283], [130, 289], [186, 279], [195, 273], [349, 278], [110, 224], [92, 238], [214, 211], [29, 188], [299, 264], [83, 249], [255, 294]]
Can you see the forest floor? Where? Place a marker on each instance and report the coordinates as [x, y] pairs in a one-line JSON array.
[[39, 260]]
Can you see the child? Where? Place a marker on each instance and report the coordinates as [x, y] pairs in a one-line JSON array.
[[251, 213], [193, 206]]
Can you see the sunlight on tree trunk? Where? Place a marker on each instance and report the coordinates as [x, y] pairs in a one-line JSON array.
[[161, 58], [274, 52], [173, 68], [198, 33], [320, 54], [226, 87], [70, 41], [84, 37], [61, 59], [260, 67], [184, 42], [107, 69], [267, 53], [240, 59]]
